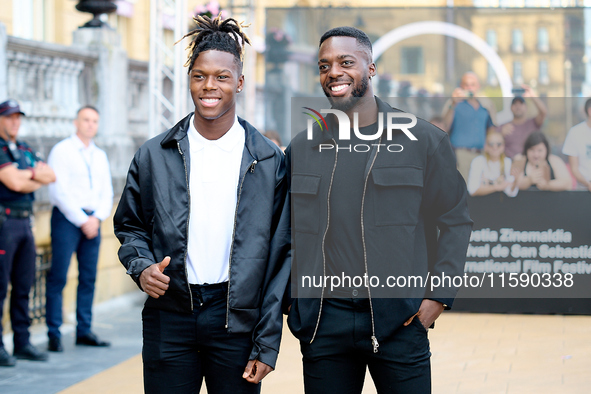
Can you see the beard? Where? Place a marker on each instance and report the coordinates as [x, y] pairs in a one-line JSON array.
[[346, 103]]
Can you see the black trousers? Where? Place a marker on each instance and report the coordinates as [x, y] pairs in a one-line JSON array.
[[180, 350], [17, 266], [336, 361]]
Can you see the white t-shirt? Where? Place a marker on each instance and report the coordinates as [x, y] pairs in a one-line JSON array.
[[213, 184], [483, 172], [578, 143]]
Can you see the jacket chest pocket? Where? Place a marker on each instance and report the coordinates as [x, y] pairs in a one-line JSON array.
[[397, 195], [305, 203]]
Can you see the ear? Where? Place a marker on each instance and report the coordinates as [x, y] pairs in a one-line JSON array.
[[240, 83], [372, 69]]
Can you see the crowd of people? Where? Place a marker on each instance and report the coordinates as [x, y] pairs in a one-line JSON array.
[[515, 155], [80, 190]]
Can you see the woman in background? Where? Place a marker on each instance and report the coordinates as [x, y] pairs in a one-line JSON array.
[[491, 172], [540, 170]]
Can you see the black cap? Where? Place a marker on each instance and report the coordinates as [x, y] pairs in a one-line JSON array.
[[518, 98], [10, 107]]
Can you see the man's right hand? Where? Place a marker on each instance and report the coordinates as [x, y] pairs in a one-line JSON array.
[[507, 129], [458, 95], [152, 279]]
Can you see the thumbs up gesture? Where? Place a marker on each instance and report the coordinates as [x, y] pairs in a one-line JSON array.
[[153, 280]]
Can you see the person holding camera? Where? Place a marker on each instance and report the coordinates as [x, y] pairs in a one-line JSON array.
[[517, 130], [468, 118]]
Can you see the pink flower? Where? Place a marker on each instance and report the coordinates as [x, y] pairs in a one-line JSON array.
[[213, 7], [200, 9]]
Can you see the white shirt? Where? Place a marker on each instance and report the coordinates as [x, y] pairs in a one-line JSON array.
[[83, 180], [484, 172], [213, 185], [578, 144]]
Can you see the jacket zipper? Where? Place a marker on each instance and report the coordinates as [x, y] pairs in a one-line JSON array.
[[374, 340], [178, 144], [251, 169], [324, 238]]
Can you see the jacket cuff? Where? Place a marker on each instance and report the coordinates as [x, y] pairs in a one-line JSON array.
[[136, 267], [264, 354]]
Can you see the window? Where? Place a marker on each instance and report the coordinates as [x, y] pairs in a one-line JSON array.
[[491, 39], [491, 76], [543, 76], [543, 40], [517, 73], [517, 41], [22, 13], [412, 60]]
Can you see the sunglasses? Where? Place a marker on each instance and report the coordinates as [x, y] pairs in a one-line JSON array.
[[495, 144]]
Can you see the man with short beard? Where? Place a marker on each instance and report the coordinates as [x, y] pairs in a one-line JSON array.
[[369, 214]]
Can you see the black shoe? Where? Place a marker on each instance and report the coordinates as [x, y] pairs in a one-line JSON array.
[[91, 339], [6, 360], [30, 352], [55, 345]]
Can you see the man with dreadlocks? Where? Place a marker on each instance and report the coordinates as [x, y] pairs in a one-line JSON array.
[[205, 232]]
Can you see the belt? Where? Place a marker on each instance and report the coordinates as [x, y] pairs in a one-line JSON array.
[[348, 292], [207, 292], [88, 212], [207, 286], [17, 213]]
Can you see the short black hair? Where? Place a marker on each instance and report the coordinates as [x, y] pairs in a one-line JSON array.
[[534, 139], [87, 107], [587, 106], [217, 34], [348, 31]]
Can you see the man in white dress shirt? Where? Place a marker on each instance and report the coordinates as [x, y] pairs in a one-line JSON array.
[[82, 197]]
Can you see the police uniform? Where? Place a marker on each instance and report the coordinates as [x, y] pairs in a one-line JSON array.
[[17, 245]]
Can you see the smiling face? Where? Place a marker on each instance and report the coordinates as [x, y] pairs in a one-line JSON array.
[[215, 79], [345, 68], [537, 154], [495, 145]]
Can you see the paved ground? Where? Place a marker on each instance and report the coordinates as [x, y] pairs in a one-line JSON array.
[[118, 321], [472, 353]]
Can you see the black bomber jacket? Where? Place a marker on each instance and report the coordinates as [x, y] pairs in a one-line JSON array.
[[151, 222], [414, 218]]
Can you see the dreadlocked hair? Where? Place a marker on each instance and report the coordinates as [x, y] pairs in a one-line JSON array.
[[216, 34]]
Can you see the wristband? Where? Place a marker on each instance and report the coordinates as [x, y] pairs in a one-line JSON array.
[[32, 173]]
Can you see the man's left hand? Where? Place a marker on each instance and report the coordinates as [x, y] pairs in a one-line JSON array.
[[428, 312], [91, 227], [255, 371]]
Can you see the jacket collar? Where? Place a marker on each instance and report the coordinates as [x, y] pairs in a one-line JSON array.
[[255, 143]]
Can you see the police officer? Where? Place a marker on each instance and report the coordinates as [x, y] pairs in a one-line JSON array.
[[21, 173]]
